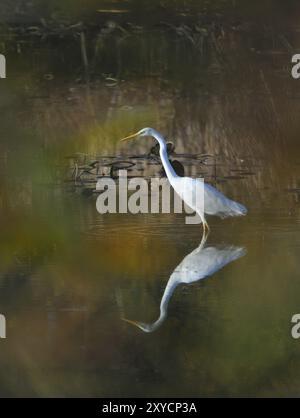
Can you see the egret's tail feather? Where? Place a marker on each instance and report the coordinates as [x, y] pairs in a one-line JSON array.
[[234, 209], [239, 209]]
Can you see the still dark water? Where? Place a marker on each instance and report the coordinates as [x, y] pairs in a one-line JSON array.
[[68, 275]]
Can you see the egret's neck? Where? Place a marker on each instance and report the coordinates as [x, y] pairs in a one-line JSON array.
[[169, 290], [170, 172]]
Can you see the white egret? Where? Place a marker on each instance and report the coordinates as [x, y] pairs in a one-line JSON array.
[[200, 263], [215, 203]]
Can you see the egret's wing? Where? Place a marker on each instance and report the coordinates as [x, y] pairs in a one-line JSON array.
[[191, 191], [203, 197], [215, 203]]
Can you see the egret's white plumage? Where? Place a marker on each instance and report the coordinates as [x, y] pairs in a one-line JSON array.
[[215, 203], [200, 263]]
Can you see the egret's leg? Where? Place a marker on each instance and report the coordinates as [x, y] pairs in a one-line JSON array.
[[205, 225]]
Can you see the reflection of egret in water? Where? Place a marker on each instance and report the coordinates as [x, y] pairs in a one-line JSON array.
[[200, 263]]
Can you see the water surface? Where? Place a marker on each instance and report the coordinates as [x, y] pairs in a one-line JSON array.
[[68, 275]]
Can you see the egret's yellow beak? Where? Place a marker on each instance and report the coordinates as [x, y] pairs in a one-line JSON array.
[[131, 322], [130, 137]]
